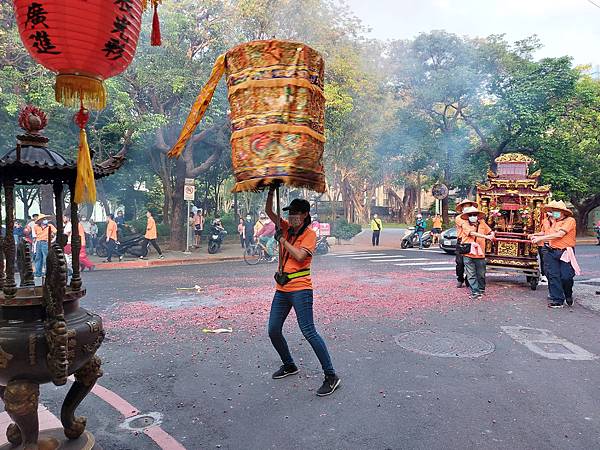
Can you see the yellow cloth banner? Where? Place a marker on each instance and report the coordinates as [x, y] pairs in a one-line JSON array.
[[199, 108]]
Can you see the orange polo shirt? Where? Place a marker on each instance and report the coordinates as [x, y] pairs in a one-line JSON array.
[[81, 234], [437, 222], [569, 226], [480, 227], [111, 230], [151, 232], [308, 241], [44, 234], [459, 231]]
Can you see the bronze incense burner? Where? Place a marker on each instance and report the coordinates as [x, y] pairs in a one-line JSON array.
[[45, 336]]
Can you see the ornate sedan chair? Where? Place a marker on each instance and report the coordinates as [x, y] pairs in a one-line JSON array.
[[45, 335], [512, 202]]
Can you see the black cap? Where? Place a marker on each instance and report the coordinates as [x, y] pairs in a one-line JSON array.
[[298, 205]]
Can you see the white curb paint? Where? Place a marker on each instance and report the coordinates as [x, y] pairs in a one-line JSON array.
[[438, 269], [539, 341]]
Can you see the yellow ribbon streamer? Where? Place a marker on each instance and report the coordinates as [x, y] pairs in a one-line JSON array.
[[199, 108], [85, 184]]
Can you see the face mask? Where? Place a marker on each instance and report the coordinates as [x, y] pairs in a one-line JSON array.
[[296, 220], [472, 219], [248, 218], [549, 214], [45, 222], [556, 214]]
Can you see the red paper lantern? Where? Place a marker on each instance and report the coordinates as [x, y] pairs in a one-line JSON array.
[[83, 41]]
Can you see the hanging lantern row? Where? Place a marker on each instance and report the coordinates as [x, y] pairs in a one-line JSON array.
[[84, 42]]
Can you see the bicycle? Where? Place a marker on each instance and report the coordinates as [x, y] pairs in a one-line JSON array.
[[257, 252]]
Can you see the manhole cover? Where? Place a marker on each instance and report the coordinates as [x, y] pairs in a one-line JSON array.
[[444, 344], [142, 421]]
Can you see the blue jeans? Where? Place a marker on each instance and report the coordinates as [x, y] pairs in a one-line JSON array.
[[302, 301], [560, 275], [41, 253], [420, 236]]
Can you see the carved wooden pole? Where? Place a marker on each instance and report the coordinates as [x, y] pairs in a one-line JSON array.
[[75, 241], [10, 287], [2, 276], [58, 206]]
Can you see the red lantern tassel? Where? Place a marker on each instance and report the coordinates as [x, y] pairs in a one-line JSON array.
[[155, 39], [85, 183]]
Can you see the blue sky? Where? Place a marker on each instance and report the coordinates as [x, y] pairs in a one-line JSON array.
[[565, 27]]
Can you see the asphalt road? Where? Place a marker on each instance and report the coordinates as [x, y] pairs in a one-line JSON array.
[[383, 314]]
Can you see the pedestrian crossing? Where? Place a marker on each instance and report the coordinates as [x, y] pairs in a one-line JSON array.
[[403, 259]]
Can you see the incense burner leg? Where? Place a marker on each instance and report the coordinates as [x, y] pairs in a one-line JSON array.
[[85, 378], [21, 404]]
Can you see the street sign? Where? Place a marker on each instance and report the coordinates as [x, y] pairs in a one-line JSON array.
[[440, 191], [190, 181], [189, 192]]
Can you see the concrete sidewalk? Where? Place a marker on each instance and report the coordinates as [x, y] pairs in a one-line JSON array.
[[229, 252]]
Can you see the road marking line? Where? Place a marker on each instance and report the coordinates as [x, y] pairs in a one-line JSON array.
[[396, 260], [421, 263], [436, 269], [379, 257], [424, 250], [164, 440], [366, 254], [544, 343]]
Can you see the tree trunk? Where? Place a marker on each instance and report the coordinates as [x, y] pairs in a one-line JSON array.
[[47, 200], [445, 215], [583, 212], [409, 200], [178, 222]]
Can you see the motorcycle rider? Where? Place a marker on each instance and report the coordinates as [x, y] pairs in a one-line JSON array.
[[420, 226]]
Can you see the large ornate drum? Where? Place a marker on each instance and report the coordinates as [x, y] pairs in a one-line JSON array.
[[277, 114]]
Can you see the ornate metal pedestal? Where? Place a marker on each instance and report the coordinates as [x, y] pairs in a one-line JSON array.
[[45, 335]]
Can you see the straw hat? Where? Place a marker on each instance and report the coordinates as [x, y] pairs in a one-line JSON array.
[[471, 210], [558, 206], [464, 203], [42, 217]]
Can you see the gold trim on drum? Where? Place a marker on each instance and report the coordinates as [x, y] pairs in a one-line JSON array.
[[275, 82], [282, 128]]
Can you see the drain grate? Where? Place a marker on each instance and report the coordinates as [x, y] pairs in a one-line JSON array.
[[142, 421], [444, 344]]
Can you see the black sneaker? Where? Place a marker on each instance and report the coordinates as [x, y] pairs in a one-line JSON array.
[[570, 301], [285, 371], [555, 305], [330, 384]]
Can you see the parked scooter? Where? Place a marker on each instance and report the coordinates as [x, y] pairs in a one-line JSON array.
[[322, 247], [216, 237], [411, 239], [130, 245]]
